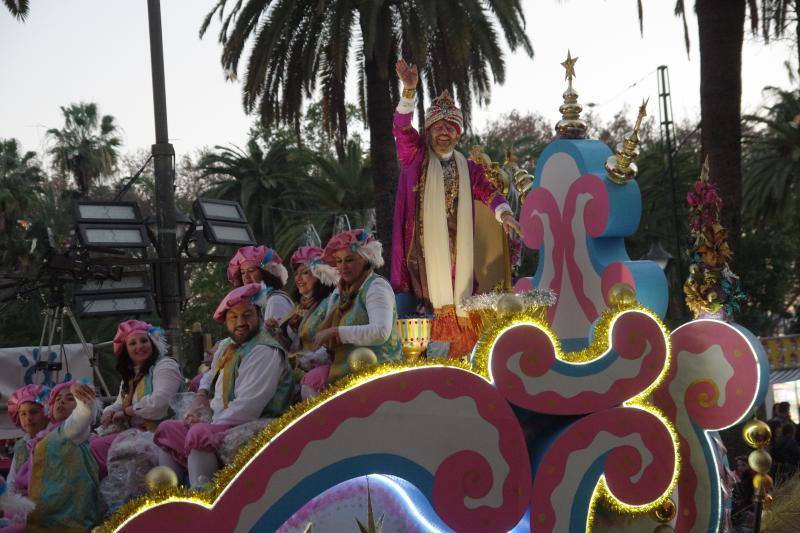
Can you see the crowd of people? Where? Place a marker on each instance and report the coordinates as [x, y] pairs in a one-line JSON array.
[[278, 351], [784, 448]]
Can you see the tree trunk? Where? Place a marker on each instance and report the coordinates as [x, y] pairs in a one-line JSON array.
[[721, 29], [385, 168]]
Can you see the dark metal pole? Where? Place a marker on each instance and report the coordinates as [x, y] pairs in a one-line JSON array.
[[667, 132], [169, 291]]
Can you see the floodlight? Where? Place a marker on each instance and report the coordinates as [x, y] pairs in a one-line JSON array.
[[114, 303], [113, 235], [105, 212], [130, 281], [224, 210], [224, 222], [228, 233]]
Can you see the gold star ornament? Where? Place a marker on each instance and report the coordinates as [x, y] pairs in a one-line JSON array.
[[569, 66]]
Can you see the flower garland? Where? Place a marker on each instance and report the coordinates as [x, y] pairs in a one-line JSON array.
[[711, 286]]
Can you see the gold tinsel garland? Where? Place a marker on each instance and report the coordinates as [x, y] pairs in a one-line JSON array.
[[259, 441]]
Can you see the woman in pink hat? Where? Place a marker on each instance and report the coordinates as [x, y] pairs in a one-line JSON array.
[[362, 309], [260, 264], [61, 476], [150, 379], [26, 408], [315, 280]]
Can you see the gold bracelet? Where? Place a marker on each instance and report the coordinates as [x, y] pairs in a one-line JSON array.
[[409, 93]]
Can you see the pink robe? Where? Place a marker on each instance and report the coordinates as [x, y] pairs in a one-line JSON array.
[[411, 153]]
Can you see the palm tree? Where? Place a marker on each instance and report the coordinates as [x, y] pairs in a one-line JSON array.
[[18, 8], [20, 187], [299, 46], [260, 179], [334, 187], [772, 160], [86, 147]]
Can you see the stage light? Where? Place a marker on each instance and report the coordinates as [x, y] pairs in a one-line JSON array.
[[105, 212], [223, 222], [113, 235], [114, 303]]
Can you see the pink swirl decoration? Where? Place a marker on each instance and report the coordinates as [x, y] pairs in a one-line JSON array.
[[712, 384], [525, 367], [542, 204], [629, 446], [367, 422]]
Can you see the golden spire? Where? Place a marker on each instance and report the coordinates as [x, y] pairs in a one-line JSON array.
[[570, 126], [621, 167], [704, 171]]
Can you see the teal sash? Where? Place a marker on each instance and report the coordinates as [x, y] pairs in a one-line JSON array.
[[64, 485], [391, 350]]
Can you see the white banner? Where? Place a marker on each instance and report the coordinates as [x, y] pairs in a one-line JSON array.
[[21, 366]]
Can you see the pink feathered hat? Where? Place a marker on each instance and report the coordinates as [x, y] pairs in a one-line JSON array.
[[28, 393], [254, 293], [51, 402], [311, 256], [358, 240], [260, 256], [124, 329]]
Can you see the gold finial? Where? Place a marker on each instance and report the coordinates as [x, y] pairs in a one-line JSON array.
[[704, 171], [621, 167], [570, 126]]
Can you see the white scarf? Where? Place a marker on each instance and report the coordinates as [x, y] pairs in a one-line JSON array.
[[436, 240]]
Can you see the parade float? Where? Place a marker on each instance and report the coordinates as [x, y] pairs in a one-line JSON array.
[[578, 409]]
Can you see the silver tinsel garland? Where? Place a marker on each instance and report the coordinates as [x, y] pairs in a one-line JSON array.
[[488, 300]]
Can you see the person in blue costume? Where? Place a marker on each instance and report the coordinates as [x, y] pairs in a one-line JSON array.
[[61, 476]]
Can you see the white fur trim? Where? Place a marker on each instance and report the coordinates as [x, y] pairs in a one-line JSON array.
[[159, 339], [373, 253], [277, 270], [326, 274], [259, 299]]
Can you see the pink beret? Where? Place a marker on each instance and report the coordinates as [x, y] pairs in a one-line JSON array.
[[260, 256], [250, 293], [51, 403], [357, 240], [28, 393], [155, 333], [305, 255]]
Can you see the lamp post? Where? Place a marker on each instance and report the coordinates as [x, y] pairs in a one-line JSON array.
[[168, 295]]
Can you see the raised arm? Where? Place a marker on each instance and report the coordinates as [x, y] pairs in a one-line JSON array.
[[409, 141]]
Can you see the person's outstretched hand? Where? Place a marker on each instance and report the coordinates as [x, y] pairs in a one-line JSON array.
[[408, 74]]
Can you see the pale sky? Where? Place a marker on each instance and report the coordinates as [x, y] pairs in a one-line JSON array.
[[98, 50]]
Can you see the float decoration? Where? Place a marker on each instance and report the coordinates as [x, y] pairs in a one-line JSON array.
[[711, 288], [612, 412]]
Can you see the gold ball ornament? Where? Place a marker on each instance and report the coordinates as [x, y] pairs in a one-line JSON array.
[[621, 294], [665, 512], [508, 304], [762, 483], [756, 433], [361, 358], [760, 461], [161, 477], [767, 501]]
